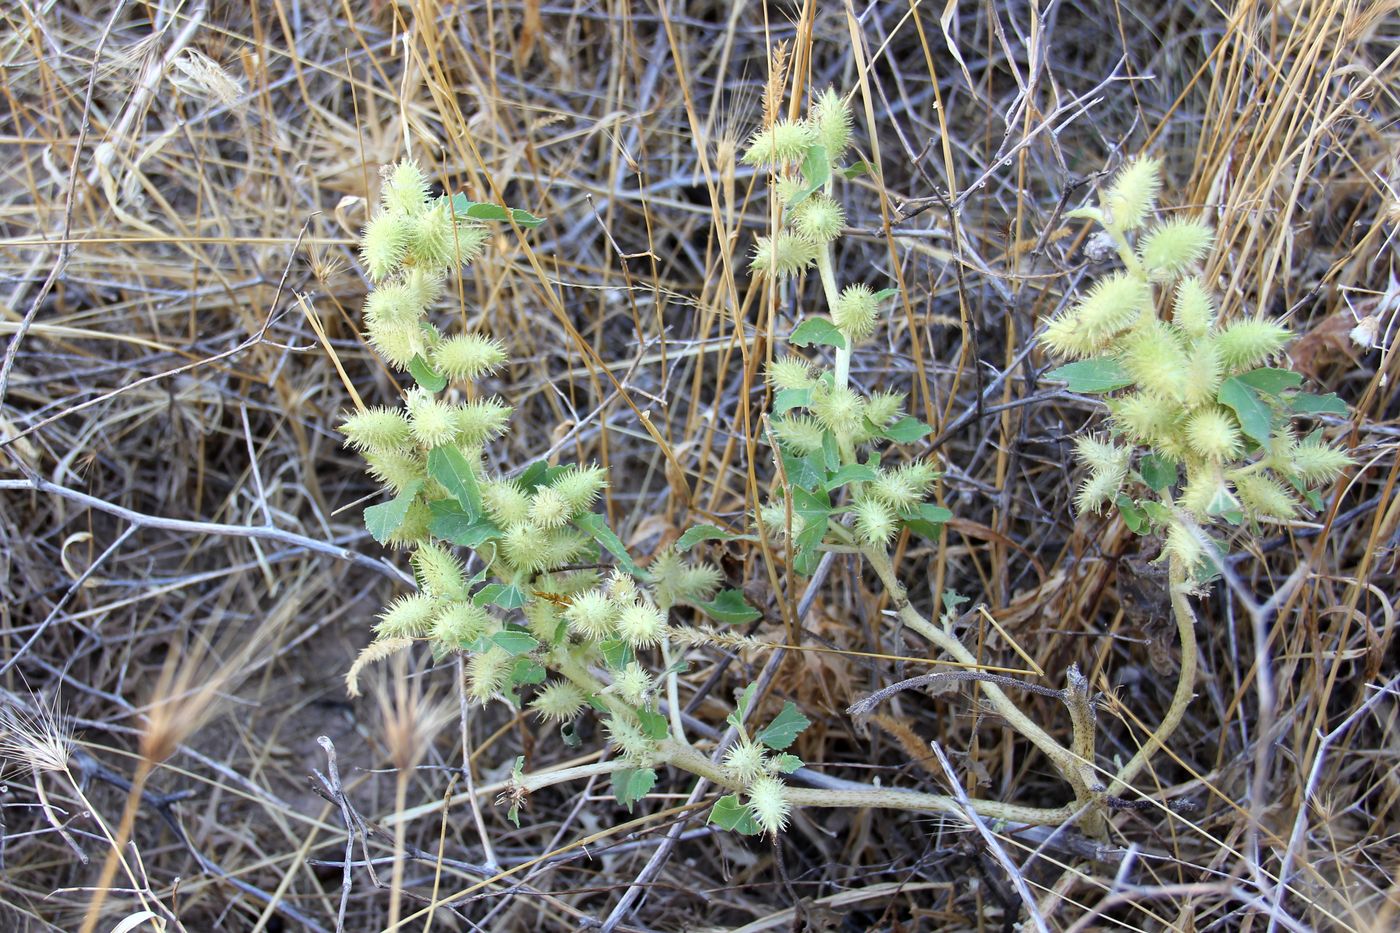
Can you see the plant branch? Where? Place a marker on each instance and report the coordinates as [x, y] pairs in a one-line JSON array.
[[1185, 684], [1063, 759]]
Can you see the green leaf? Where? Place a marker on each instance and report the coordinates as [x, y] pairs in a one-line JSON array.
[[1156, 511], [597, 526], [617, 654], [814, 505], [906, 430], [785, 400], [1254, 415], [1225, 506], [884, 293], [527, 671], [653, 724], [1134, 517], [1271, 381], [831, 454], [1092, 376], [424, 374], [729, 606], [450, 523], [478, 210], [857, 169], [538, 474], [675, 667], [697, 533], [515, 642], [1305, 403], [505, 595], [447, 465], [816, 172], [952, 600], [784, 729], [788, 763], [1158, 472], [382, 520], [926, 519], [742, 700], [728, 813], [632, 784], [817, 331], [850, 473], [806, 560], [804, 472], [816, 514]]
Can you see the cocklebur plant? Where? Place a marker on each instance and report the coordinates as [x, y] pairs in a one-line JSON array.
[[1193, 405], [1200, 426], [835, 491], [536, 618], [822, 425]]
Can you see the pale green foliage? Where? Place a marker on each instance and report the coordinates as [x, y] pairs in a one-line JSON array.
[[439, 572], [630, 740], [592, 616], [1112, 305], [458, 624], [1173, 247], [407, 617], [1195, 398], [633, 684], [524, 609], [1108, 468], [468, 356], [641, 624], [883, 408], [876, 522], [675, 581], [831, 118]]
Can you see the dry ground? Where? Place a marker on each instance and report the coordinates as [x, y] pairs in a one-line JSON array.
[[185, 577]]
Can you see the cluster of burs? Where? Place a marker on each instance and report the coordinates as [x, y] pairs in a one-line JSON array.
[[816, 412], [1193, 394], [529, 610]]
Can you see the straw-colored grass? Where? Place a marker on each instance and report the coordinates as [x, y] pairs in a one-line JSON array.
[[184, 578]]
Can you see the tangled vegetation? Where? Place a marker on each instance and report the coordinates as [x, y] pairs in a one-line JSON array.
[[733, 467]]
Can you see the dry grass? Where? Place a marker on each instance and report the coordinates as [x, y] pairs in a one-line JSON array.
[[182, 184]]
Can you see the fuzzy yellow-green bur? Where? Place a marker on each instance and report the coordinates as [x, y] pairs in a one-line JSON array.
[[1201, 431]]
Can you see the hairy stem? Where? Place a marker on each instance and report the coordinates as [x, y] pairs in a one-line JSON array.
[[1185, 684], [825, 270], [688, 759]]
